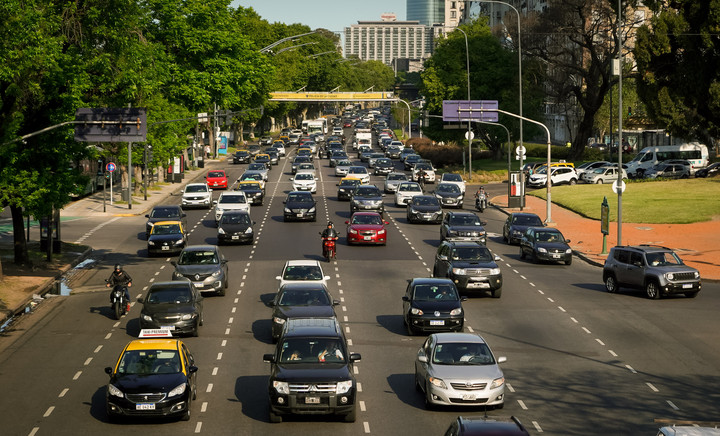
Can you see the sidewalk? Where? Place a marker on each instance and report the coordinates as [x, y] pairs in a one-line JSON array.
[[696, 244]]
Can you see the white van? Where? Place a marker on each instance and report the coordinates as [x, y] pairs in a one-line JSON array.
[[695, 153], [688, 430]]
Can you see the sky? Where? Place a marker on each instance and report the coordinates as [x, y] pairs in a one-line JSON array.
[[333, 15]]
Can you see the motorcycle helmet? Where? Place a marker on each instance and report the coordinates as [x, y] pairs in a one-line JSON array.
[[118, 267]]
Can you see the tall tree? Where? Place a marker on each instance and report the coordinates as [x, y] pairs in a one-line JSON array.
[[678, 57]]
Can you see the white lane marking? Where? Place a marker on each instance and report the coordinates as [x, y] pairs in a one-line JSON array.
[[653, 388], [516, 271], [233, 310], [510, 388], [236, 301], [573, 320], [49, 411], [541, 292], [209, 388], [87, 361], [366, 426], [551, 300], [340, 291], [359, 387], [522, 404], [586, 330], [612, 353], [35, 429], [347, 329], [562, 309], [64, 391], [227, 331], [531, 284], [355, 370], [599, 341], [673, 405], [345, 319], [107, 336], [157, 273], [163, 267], [537, 427], [631, 369], [342, 299], [117, 324], [219, 356], [198, 427], [223, 343], [99, 347], [470, 329], [215, 371], [203, 408], [344, 309], [523, 277], [77, 375], [349, 342], [230, 321], [362, 406]]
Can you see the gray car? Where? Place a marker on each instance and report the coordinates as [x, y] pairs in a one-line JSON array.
[[392, 181], [176, 304], [205, 266], [459, 369]]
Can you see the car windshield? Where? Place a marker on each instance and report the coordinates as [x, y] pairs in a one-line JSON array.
[[471, 253], [256, 167], [235, 218], [304, 297], [225, 199], [549, 237], [423, 166], [367, 192], [525, 220], [169, 295], [448, 188], [299, 198], [306, 350], [196, 188], [193, 257], [462, 354], [302, 272], [366, 219], [452, 177], [249, 186], [435, 292], [304, 176], [216, 174], [344, 163], [397, 177], [357, 170], [600, 170], [410, 187], [665, 258], [166, 229], [425, 201], [146, 362], [165, 212], [255, 176], [464, 220]]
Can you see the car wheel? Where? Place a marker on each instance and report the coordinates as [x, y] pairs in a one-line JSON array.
[[599, 181], [196, 330], [522, 253], [573, 181], [569, 261], [497, 293], [611, 284], [652, 289], [534, 257], [275, 418], [499, 406], [202, 319], [221, 292], [418, 386], [351, 417], [505, 238], [186, 416], [410, 329]]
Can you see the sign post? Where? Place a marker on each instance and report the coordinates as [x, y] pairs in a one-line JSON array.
[[110, 167], [604, 223]]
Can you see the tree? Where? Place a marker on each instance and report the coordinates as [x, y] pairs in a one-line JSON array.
[[679, 68], [577, 40]]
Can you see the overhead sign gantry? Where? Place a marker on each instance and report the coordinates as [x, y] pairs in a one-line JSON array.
[[332, 96]]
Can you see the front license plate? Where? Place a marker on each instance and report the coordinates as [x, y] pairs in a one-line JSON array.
[[556, 256], [367, 238], [145, 406], [687, 286], [235, 237], [198, 284], [437, 322], [167, 327], [468, 397], [478, 285], [312, 400], [300, 214], [165, 247]]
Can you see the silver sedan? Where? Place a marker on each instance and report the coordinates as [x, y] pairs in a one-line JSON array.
[[405, 192], [458, 369], [392, 181]]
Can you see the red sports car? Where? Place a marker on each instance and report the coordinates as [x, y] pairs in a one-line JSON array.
[[347, 124], [366, 228], [217, 179]]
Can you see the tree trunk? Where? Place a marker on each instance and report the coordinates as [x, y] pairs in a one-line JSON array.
[[19, 242], [584, 131]]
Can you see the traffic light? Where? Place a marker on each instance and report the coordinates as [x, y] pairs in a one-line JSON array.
[[629, 111]]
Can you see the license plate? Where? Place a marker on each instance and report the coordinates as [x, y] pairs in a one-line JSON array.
[[427, 216], [165, 247], [312, 400], [199, 284], [235, 237], [367, 238], [468, 397], [437, 322], [300, 214], [478, 285], [556, 256], [687, 286], [167, 327], [145, 406]]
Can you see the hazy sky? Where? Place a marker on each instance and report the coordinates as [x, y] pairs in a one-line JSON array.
[[333, 15]]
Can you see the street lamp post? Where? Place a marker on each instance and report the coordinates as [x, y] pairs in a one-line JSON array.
[[280, 41]]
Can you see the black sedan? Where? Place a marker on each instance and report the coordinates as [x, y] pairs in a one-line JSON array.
[[176, 305], [299, 206], [236, 226], [383, 166], [301, 300], [709, 171], [432, 304], [424, 208], [463, 226], [544, 243], [449, 195], [516, 224], [241, 156]]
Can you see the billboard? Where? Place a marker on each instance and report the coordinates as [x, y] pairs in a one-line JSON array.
[[464, 110]]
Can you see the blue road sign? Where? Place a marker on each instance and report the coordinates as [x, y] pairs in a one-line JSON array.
[[110, 167]]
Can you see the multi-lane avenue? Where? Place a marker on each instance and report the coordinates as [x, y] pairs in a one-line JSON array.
[[580, 361]]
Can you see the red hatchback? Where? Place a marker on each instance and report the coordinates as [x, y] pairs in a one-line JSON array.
[[217, 179], [366, 228]]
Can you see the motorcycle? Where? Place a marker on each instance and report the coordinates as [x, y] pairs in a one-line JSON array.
[[329, 248], [118, 301], [481, 202]]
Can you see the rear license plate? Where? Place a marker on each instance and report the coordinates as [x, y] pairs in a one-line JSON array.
[[312, 400], [687, 286], [437, 322], [145, 406]]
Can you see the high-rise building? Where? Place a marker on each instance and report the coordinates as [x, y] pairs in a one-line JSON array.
[[388, 40], [446, 13]]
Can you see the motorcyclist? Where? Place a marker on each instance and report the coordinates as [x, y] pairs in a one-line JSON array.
[[328, 234], [421, 175], [481, 196], [120, 277]]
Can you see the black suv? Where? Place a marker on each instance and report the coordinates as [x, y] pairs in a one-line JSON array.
[[463, 226], [367, 198], [657, 270], [311, 371], [470, 265]]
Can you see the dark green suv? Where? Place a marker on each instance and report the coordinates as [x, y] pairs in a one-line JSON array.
[[655, 269]]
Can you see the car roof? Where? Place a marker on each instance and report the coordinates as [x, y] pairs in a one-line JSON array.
[[196, 184], [200, 247], [447, 337], [307, 285], [168, 222], [429, 280], [302, 262], [365, 213], [485, 425], [514, 214], [465, 243], [646, 248], [153, 344], [312, 327]]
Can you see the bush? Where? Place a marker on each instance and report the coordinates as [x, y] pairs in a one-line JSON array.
[[439, 155]]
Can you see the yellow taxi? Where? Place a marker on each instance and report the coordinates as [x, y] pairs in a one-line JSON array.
[[167, 237], [253, 177], [285, 139], [155, 376], [263, 158], [254, 191], [346, 187]]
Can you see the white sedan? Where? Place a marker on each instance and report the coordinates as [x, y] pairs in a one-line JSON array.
[[405, 192], [359, 173], [304, 181]]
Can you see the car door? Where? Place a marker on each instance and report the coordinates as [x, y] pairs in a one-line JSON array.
[[442, 260], [407, 301], [444, 227], [527, 242], [621, 265], [634, 275], [421, 368]]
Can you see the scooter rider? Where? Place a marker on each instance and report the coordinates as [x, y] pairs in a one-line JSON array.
[[328, 234], [481, 196], [421, 175], [120, 277]]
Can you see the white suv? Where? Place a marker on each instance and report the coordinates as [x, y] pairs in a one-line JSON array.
[[230, 200], [558, 176], [196, 195]]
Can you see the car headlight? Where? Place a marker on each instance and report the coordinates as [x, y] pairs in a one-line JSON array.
[[343, 387], [458, 271], [541, 250], [413, 211], [381, 232], [287, 210], [281, 387], [312, 209], [568, 251], [516, 232], [217, 273], [179, 390], [151, 243], [494, 271], [456, 312], [697, 275], [146, 317], [187, 316], [179, 241], [278, 320], [177, 275], [249, 230], [353, 231], [112, 390], [416, 311], [497, 383], [437, 382], [221, 231]]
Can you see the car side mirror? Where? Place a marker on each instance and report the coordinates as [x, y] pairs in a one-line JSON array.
[[568, 241], [422, 358], [347, 222], [354, 357], [173, 263], [496, 258], [386, 223], [483, 223], [336, 302], [184, 215], [463, 298], [278, 278], [442, 257], [326, 277], [292, 179], [501, 359], [147, 216], [269, 358], [405, 298], [108, 370], [140, 300], [214, 202]]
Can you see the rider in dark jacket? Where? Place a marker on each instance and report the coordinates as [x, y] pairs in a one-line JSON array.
[[328, 233], [120, 277]]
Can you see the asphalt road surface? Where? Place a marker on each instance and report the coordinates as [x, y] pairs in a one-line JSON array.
[[580, 361]]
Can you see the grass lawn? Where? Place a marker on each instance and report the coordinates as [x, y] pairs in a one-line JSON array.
[[661, 202]]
